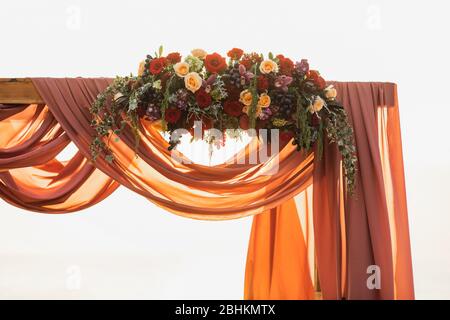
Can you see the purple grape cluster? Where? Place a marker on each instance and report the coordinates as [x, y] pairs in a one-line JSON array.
[[234, 75], [285, 101], [153, 112], [180, 99]]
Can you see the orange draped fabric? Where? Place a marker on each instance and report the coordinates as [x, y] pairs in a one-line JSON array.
[[30, 176], [345, 234]]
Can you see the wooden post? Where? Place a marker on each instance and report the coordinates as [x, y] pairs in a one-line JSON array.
[[18, 91]]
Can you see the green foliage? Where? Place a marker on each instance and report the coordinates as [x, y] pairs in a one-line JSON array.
[[253, 89], [339, 131]]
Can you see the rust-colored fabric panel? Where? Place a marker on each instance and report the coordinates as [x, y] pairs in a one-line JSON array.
[[368, 220], [376, 224]]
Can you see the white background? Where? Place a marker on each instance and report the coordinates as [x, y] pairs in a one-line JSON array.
[[126, 247]]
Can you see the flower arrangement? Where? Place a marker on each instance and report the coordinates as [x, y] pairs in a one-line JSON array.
[[244, 91]]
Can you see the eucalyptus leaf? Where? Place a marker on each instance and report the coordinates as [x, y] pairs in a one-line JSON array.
[[133, 104]]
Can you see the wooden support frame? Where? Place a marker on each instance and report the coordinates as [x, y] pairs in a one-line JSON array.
[[18, 91]]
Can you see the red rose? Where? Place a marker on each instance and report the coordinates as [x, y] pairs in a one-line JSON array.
[[313, 75], [215, 63], [235, 53], [244, 122], [285, 137], [233, 108], [286, 66], [157, 65], [280, 57], [174, 57], [316, 78], [203, 98], [262, 83], [320, 83], [172, 115], [233, 92]]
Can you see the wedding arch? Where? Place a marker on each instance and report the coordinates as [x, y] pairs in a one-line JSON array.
[[303, 213]]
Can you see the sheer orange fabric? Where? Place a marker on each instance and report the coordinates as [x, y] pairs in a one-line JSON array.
[[277, 261], [346, 234], [31, 177]]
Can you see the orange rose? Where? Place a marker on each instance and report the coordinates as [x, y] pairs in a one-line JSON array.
[[264, 100], [246, 97]]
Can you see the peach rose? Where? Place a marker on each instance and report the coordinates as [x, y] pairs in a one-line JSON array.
[[181, 69], [246, 97], [193, 81], [264, 100], [330, 92], [268, 66], [317, 105], [199, 53]]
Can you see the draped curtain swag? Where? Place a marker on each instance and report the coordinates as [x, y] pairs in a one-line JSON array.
[[301, 212]]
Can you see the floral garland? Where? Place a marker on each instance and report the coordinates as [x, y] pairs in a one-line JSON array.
[[247, 91]]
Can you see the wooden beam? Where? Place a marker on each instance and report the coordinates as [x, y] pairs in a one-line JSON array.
[[18, 91]]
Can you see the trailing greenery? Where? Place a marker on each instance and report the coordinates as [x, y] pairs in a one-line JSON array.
[[339, 131]]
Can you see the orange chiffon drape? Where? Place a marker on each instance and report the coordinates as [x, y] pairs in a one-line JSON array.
[[345, 234]]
